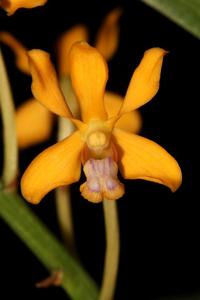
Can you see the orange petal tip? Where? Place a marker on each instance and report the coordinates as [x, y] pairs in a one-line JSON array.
[[10, 6]]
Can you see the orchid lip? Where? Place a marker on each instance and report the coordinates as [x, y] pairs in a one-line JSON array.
[[102, 182]]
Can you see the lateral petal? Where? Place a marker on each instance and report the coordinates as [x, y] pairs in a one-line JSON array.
[[58, 165], [141, 158], [145, 80]]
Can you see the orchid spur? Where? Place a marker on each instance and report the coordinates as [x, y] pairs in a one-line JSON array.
[[100, 143]]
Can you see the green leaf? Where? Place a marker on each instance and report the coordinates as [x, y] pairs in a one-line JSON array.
[[16, 213], [185, 13]]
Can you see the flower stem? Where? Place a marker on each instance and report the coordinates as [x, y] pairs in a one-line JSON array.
[[63, 199], [10, 167], [66, 86], [64, 213], [112, 250]]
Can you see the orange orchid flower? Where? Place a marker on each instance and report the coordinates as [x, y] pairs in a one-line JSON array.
[[107, 39], [106, 42], [31, 112], [100, 144], [33, 123], [11, 6]]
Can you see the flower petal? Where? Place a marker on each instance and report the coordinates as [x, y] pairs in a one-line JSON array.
[[64, 44], [89, 74], [58, 165], [19, 50], [129, 121], [108, 34], [11, 6], [144, 83], [45, 85], [33, 123], [141, 158]]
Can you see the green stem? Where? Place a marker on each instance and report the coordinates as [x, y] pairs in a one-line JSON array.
[[76, 282], [9, 132], [70, 97], [64, 215], [63, 200], [112, 250]]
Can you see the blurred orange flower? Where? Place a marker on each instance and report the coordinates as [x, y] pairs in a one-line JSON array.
[[31, 112], [11, 6]]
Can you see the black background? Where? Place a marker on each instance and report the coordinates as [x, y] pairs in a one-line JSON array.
[[160, 252]]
